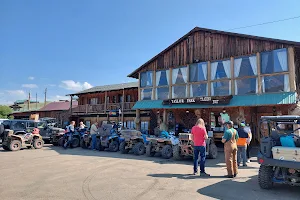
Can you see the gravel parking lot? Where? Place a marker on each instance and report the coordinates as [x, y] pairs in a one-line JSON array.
[[55, 173]]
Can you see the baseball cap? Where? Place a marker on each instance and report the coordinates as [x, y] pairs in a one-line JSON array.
[[243, 124], [229, 122]]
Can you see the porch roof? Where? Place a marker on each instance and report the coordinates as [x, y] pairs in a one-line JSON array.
[[236, 101]]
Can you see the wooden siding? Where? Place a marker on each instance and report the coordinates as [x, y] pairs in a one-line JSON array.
[[209, 46]]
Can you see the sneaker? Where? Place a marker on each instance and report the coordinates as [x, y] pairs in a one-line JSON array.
[[195, 173], [229, 176], [234, 175], [245, 165], [248, 161], [204, 174]]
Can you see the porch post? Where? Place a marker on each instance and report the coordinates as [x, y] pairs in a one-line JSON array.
[[137, 120]]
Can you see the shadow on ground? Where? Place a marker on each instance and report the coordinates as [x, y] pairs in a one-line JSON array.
[[248, 188]]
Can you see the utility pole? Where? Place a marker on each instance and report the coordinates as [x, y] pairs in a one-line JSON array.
[[36, 101], [45, 97], [28, 101]]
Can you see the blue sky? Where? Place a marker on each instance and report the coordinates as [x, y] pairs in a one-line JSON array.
[[71, 45]]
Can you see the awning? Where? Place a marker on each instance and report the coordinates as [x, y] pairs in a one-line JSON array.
[[241, 100]]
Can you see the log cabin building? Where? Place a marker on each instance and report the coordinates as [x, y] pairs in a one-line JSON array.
[[109, 103], [219, 76]]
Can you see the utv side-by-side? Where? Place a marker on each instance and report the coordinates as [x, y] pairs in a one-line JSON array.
[[279, 155]]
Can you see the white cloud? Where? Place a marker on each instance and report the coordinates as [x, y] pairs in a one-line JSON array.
[[30, 78], [75, 86], [10, 96], [58, 97], [29, 86]]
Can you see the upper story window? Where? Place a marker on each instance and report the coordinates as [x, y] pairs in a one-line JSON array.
[[198, 72], [220, 70], [146, 79], [179, 75], [162, 78], [94, 101], [274, 61], [128, 98]]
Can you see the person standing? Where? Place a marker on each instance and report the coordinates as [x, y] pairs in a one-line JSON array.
[[94, 131], [248, 129], [242, 144], [230, 148], [199, 135], [81, 125], [70, 131]]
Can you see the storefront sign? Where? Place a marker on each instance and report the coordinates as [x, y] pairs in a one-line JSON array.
[[200, 100], [113, 113]]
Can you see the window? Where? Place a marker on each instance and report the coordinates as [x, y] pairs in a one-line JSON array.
[[94, 101], [198, 72], [197, 90], [220, 70], [162, 93], [179, 75], [30, 125], [245, 73], [245, 66], [162, 78], [146, 94], [220, 88], [179, 91], [278, 83], [146, 79], [114, 99], [274, 61], [120, 98], [41, 125], [128, 99], [19, 125], [144, 126], [129, 124], [6, 124], [246, 86]]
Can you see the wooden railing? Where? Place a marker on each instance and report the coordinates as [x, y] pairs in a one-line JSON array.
[[101, 108]]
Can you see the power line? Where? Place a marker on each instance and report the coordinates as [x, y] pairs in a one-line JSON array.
[[271, 22]]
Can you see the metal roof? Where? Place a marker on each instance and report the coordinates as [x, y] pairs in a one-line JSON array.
[[196, 29], [242, 100], [108, 88]]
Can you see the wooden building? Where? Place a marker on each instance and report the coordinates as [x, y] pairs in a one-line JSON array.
[[109, 103], [219, 76]]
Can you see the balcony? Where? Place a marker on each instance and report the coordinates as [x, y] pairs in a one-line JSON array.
[[101, 108]]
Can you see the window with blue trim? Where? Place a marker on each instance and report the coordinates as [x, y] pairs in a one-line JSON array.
[[198, 90], [220, 70], [221, 88], [146, 79], [198, 72]]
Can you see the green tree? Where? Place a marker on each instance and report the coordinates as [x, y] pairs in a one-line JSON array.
[[5, 111]]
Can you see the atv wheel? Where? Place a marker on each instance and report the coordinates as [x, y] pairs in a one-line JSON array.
[[55, 143], [139, 149], [75, 142], [83, 144], [166, 152], [61, 141], [265, 177], [38, 143], [149, 151], [29, 147], [122, 148], [113, 146], [213, 151], [177, 152], [15, 145], [6, 148]]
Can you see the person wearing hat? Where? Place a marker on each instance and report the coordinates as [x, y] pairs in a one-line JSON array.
[[230, 149], [242, 144]]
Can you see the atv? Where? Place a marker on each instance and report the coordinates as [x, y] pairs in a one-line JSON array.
[[132, 140], [162, 144], [86, 141], [14, 141], [109, 138], [60, 138], [279, 156], [185, 147]]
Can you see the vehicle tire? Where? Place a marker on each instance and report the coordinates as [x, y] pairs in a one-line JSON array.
[[75, 142], [149, 151], [38, 143], [213, 151], [15, 145], [113, 146], [29, 147], [122, 148], [177, 152], [6, 148], [61, 141], [166, 151], [265, 177], [139, 149], [55, 143], [83, 144]]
